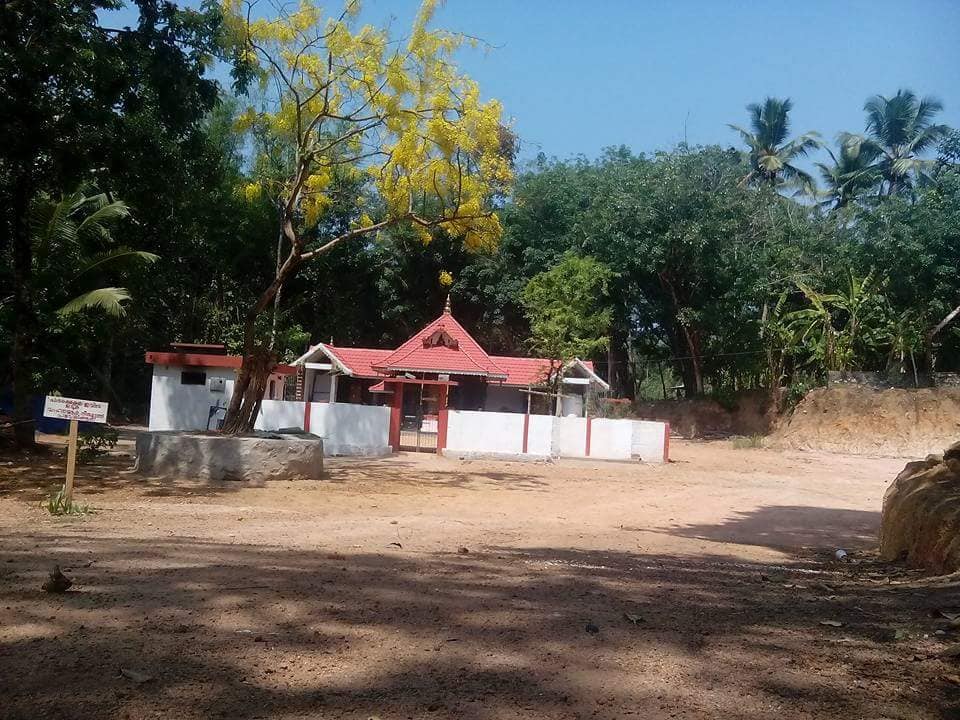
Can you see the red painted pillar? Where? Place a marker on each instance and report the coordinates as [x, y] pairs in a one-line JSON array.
[[396, 406], [589, 428], [666, 442], [526, 431], [306, 416], [442, 418]]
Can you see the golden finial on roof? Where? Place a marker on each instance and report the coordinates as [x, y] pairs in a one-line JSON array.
[[446, 306]]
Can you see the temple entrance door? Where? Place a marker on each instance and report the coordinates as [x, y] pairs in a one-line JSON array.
[[419, 419]]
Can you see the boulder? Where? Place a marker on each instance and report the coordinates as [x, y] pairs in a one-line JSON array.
[[253, 458], [921, 514]]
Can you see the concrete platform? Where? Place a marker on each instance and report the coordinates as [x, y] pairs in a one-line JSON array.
[[254, 459]]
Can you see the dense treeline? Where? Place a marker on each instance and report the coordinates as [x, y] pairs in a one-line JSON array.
[[729, 267]]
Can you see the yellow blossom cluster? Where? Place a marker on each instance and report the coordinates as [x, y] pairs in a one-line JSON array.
[[351, 101]]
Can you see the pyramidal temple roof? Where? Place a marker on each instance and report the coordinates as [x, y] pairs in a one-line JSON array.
[[442, 346]]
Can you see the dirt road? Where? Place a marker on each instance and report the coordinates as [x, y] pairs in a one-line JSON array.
[[418, 586]]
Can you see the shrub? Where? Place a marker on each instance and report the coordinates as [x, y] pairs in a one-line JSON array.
[[94, 443]]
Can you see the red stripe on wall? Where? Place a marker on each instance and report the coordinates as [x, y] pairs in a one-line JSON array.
[[306, 417], [526, 430], [589, 428], [666, 442]]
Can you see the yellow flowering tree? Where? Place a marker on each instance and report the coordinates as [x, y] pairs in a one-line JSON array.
[[349, 102]]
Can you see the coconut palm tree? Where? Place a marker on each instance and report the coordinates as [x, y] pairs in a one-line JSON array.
[[72, 243], [900, 129], [71, 248], [772, 154], [851, 175]]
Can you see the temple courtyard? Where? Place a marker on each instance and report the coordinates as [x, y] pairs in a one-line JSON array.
[[418, 586]]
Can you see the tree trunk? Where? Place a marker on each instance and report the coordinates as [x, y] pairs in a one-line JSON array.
[[248, 390], [692, 373], [696, 370], [619, 370], [24, 319]]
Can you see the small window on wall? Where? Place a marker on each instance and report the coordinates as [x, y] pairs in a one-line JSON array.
[[193, 377]]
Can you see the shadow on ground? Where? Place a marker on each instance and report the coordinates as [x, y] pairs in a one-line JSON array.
[[791, 527], [237, 631], [35, 480]]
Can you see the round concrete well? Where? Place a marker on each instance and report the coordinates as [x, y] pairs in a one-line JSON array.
[[252, 458]]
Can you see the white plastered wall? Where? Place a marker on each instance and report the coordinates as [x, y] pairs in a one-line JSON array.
[[569, 437], [279, 414], [350, 429], [649, 440], [611, 439], [485, 432], [174, 406]]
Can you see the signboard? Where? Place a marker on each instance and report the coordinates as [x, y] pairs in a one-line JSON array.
[[73, 409]]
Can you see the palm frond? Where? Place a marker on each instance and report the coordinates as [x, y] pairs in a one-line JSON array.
[[51, 223], [925, 111], [106, 213], [117, 255], [108, 299], [927, 138]]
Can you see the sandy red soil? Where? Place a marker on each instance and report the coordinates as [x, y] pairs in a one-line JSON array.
[[417, 586]]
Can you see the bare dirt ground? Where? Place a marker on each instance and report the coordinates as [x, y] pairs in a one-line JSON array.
[[422, 587]]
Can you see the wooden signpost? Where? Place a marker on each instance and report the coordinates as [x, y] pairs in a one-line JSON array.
[[73, 410]]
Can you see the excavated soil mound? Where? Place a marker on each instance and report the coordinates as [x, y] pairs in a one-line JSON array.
[[921, 514], [862, 421]]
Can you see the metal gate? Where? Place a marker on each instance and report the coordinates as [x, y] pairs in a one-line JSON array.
[[419, 419]]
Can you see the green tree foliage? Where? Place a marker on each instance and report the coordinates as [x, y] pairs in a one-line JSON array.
[[74, 96], [568, 312], [721, 283]]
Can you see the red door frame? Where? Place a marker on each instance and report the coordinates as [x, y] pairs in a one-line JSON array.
[[442, 411], [396, 408]]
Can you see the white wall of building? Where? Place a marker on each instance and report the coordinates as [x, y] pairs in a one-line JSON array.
[[485, 432], [178, 406], [175, 406], [571, 405], [649, 440]]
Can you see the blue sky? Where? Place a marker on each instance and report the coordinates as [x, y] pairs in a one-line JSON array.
[[576, 77]]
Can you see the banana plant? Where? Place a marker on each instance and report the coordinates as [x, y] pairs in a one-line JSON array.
[[842, 331]]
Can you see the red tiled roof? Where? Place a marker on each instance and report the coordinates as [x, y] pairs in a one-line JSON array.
[[359, 361], [462, 356], [527, 371], [523, 371], [465, 358]]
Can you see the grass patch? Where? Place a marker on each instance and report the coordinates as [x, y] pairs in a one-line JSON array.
[[750, 441], [57, 504]]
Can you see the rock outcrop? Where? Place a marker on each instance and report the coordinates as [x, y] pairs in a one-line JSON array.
[[921, 514]]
